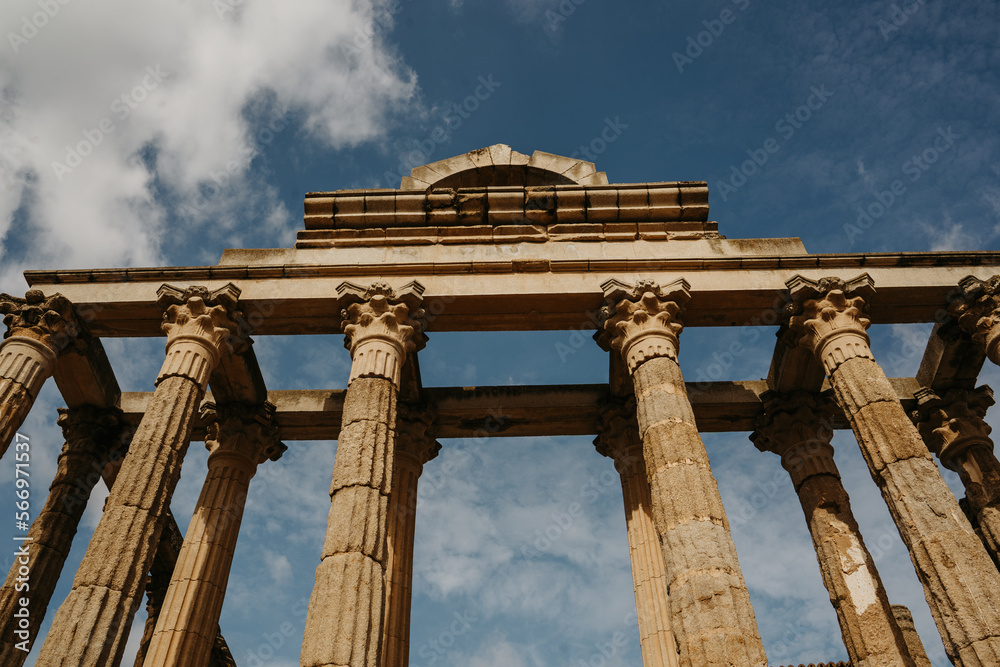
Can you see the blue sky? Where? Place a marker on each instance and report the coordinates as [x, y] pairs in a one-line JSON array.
[[205, 123]]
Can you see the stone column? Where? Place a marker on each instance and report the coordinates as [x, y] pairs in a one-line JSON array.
[[156, 590], [92, 434], [346, 609], [91, 626], [415, 446], [712, 617], [618, 439], [796, 427], [38, 329], [905, 622], [953, 427], [961, 583], [240, 437]]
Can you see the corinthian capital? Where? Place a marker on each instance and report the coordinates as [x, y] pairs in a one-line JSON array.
[[618, 434], [247, 431], [199, 325], [952, 423], [414, 432], [50, 321], [978, 313], [798, 427], [94, 430], [827, 317], [381, 326], [642, 321]]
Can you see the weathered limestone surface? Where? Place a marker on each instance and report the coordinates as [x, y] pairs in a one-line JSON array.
[[156, 590], [346, 609], [905, 622], [713, 619], [38, 329], [240, 438], [91, 626], [92, 436], [797, 428], [619, 439], [953, 427], [415, 446], [977, 309], [961, 583]]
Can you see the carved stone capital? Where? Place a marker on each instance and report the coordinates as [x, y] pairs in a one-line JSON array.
[[94, 431], [414, 433], [199, 325], [827, 317], [642, 321], [977, 310], [381, 326], [48, 320], [798, 427], [618, 434], [954, 422], [245, 433]]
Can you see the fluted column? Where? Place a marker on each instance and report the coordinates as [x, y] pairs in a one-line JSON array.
[[713, 620], [797, 428], [156, 590], [239, 438], [91, 434], [916, 647], [618, 439], [38, 329], [953, 427], [346, 609], [92, 625], [961, 583], [415, 446]]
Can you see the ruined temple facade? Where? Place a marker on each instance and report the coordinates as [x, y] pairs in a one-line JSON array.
[[496, 240]]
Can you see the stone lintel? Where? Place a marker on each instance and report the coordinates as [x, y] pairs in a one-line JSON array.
[[951, 360], [794, 368], [84, 375], [726, 291], [238, 379], [464, 412]]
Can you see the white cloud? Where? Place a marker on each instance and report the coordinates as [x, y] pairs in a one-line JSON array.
[[162, 96]]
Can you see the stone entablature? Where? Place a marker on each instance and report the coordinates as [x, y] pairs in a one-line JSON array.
[[507, 214]]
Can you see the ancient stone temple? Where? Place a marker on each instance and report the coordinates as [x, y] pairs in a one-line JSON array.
[[497, 240]]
